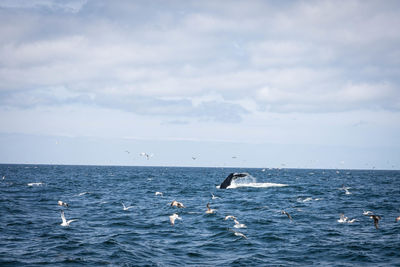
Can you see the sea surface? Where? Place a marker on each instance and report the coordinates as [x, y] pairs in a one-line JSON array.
[[106, 234]]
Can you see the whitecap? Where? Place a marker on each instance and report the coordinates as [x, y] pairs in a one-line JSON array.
[[35, 184], [256, 185]]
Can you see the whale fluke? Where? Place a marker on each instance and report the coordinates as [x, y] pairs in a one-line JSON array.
[[228, 180]]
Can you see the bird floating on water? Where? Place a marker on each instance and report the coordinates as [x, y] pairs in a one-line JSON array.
[[344, 219], [64, 221], [209, 210], [177, 204], [158, 194]]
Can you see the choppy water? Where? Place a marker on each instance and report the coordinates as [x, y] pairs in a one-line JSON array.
[[105, 234]]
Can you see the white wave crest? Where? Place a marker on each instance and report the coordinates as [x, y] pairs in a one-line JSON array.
[[35, 184], [258, 185], [250, 181]]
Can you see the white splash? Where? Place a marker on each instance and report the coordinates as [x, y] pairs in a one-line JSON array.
[[35, 184], [304, 200], [250, 181]]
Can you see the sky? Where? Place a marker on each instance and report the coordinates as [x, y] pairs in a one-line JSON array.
[[293, 84]]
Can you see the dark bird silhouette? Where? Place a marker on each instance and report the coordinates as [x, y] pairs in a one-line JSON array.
[[287, 214], [376, 220]]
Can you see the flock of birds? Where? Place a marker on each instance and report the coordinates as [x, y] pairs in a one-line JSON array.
[[209, 210], [172, 218]]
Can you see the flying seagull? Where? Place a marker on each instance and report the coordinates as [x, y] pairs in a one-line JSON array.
[[376, 219], [125, 207], [64, 221], [230, 217], [146, 155], [173, 217], [60, 203], [238, 234], [177, 204], [239, 225], [287, 214]]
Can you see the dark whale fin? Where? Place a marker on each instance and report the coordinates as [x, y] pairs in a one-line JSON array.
[[228, 180]]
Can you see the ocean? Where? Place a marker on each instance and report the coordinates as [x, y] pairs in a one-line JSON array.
[[106, 234]]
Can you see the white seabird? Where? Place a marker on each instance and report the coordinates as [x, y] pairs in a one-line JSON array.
[[239, 225], [173, 217], [209, 210], [158, 194], [230, 217], [125, 207], [64, 221]]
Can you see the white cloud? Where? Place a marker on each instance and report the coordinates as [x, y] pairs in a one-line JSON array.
[[318, 56]]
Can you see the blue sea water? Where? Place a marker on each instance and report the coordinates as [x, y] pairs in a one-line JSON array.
[[105, 234]]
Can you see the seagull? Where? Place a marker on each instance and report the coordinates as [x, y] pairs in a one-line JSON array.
[[239, 225], [64, 221], [366, 213], [125, 207], [376, 219], [4, 177], [230, 217], [60, 203], [343, 218], [146, 155], [238, 234], [287, 214], [177, 204], [213, 197], [158, 194], [346, 189], [209, 210], [173, 217]]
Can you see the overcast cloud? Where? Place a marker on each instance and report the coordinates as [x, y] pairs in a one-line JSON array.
[[297, 56], [179, 62]]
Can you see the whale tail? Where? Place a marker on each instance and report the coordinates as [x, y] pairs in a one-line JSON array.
[[228, 180]]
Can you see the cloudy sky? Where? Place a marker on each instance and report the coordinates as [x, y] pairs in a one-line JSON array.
[[232, 83]]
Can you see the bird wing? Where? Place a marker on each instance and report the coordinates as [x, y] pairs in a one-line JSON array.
[[376, 221], [63, 217]]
